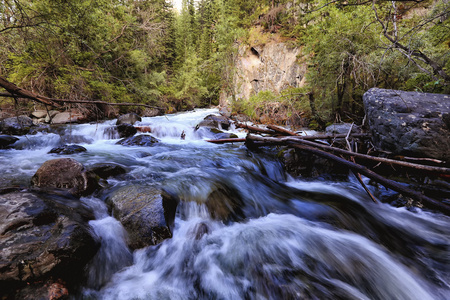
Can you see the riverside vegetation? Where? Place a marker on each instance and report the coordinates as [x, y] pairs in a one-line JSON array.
[[148, 53]]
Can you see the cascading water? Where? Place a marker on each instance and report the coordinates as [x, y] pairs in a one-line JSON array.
[[278, 238]]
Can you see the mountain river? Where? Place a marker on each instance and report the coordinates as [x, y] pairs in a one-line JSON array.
[[285, 238]]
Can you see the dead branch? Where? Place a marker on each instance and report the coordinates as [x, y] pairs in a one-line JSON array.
[[16, 92], [378, 178], [255, 141], [299, 140], [224, 141]]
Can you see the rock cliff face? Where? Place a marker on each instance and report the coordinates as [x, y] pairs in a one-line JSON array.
[[271, 67]]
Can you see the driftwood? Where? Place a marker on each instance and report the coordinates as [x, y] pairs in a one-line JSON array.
[[16, 92], [296, 142], [254, 128], [299, 140], [224, 141]]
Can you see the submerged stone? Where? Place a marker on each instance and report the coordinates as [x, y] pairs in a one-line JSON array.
[[7, 140], [68, 149], [147, 213], [139, 140]]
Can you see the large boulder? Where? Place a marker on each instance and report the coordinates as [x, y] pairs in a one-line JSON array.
[[43, 236], [7, 140], [126, 130], [139, 140], [67, 174], [409, 123], [19, 125], [147, 214], [214, 121], [130, 118]]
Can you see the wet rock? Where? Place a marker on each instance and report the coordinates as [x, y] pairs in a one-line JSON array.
[[105, 170], [126, 130], [147, 214], [341, 128], [224, 203], [7, 140], [130, 118], [151, 112], [214, 121], [68, 149], [52, 290], [139, 140], [409, 123], [67, 174], [76, 139], [43, 236], [298, 163], [16, 125]]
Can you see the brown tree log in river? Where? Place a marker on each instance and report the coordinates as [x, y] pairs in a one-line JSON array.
[[14, 91], [254, 141]]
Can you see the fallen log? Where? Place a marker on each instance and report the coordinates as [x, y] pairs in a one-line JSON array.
[[224, 141], [299, 140], [143, 128], [304, 137], [16, 92], [254, 128], [281, 130], [380, 179], [255, 141]]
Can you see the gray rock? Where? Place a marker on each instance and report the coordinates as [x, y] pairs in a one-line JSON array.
[[139, 140], [68, 117], [16, 125], [6, 140], [105, 170], [50, 115], [39, 114], [147, 214], [213, 121], [126, 130], [68, 149], [341, 128], [42, 236], [409, 123], [130, 118], [67, 174]]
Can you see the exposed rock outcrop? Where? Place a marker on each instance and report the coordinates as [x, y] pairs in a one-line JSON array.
[[147, 214], [409, 123], [67, 174], [269, 67], [43, 236]]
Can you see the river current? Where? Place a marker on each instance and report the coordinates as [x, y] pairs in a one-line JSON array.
[[284, 237]]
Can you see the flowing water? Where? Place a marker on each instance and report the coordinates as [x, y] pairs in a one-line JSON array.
[[265, 236]]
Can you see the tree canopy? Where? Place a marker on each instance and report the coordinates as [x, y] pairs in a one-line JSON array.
[[142, 51]]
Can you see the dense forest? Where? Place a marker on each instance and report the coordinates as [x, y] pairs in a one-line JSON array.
[[145, 51]]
